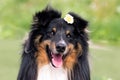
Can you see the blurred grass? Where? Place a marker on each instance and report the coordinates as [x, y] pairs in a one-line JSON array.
[[9, 59], [104, 61]]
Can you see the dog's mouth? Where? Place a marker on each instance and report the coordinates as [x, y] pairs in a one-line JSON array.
[[57, 59]]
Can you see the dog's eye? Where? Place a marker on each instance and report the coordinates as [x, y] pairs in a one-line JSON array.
[[68, 35], [52, 33]]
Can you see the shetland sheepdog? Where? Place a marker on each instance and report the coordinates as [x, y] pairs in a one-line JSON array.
[[56, 48]]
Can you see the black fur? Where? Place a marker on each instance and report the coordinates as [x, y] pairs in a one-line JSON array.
[[41, 20]]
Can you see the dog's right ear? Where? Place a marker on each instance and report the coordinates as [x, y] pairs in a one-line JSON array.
[[40, 22], [44, 17]]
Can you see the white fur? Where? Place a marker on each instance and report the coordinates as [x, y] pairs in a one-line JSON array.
[[48, 72]]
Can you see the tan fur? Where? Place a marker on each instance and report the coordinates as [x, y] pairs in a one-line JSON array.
[[67, 32], [54, 29], [37, 40], [71, 58], [42, 57], [52, 46]]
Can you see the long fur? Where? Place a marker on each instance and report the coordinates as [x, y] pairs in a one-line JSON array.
[[29, 66]]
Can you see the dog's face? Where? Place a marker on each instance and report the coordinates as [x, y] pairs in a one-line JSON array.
[[56, 41], [61, 37]]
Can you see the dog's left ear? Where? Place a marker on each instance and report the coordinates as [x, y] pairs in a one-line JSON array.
[[79, 22]]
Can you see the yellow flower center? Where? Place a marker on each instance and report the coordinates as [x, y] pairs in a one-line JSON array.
[[69, 19]]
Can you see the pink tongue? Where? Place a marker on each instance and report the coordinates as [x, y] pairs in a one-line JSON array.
[[57, 60]]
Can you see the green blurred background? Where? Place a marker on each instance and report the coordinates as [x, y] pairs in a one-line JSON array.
[[104, 21]]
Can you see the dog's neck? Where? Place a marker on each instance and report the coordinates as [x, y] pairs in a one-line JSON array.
[[48, 72]]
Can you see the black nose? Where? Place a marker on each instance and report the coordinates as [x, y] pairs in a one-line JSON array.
[[60, 48]]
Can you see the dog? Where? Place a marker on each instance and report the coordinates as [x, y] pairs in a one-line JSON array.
[[56, 48]]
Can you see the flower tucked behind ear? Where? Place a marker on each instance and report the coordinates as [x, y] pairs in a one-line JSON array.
[[69, 19]]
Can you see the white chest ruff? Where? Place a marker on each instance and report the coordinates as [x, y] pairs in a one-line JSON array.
[[48, 72]]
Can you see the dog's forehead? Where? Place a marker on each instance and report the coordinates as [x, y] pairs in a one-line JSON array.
[[60, 23]]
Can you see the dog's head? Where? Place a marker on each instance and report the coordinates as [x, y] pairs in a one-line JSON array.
[[55, 40]]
